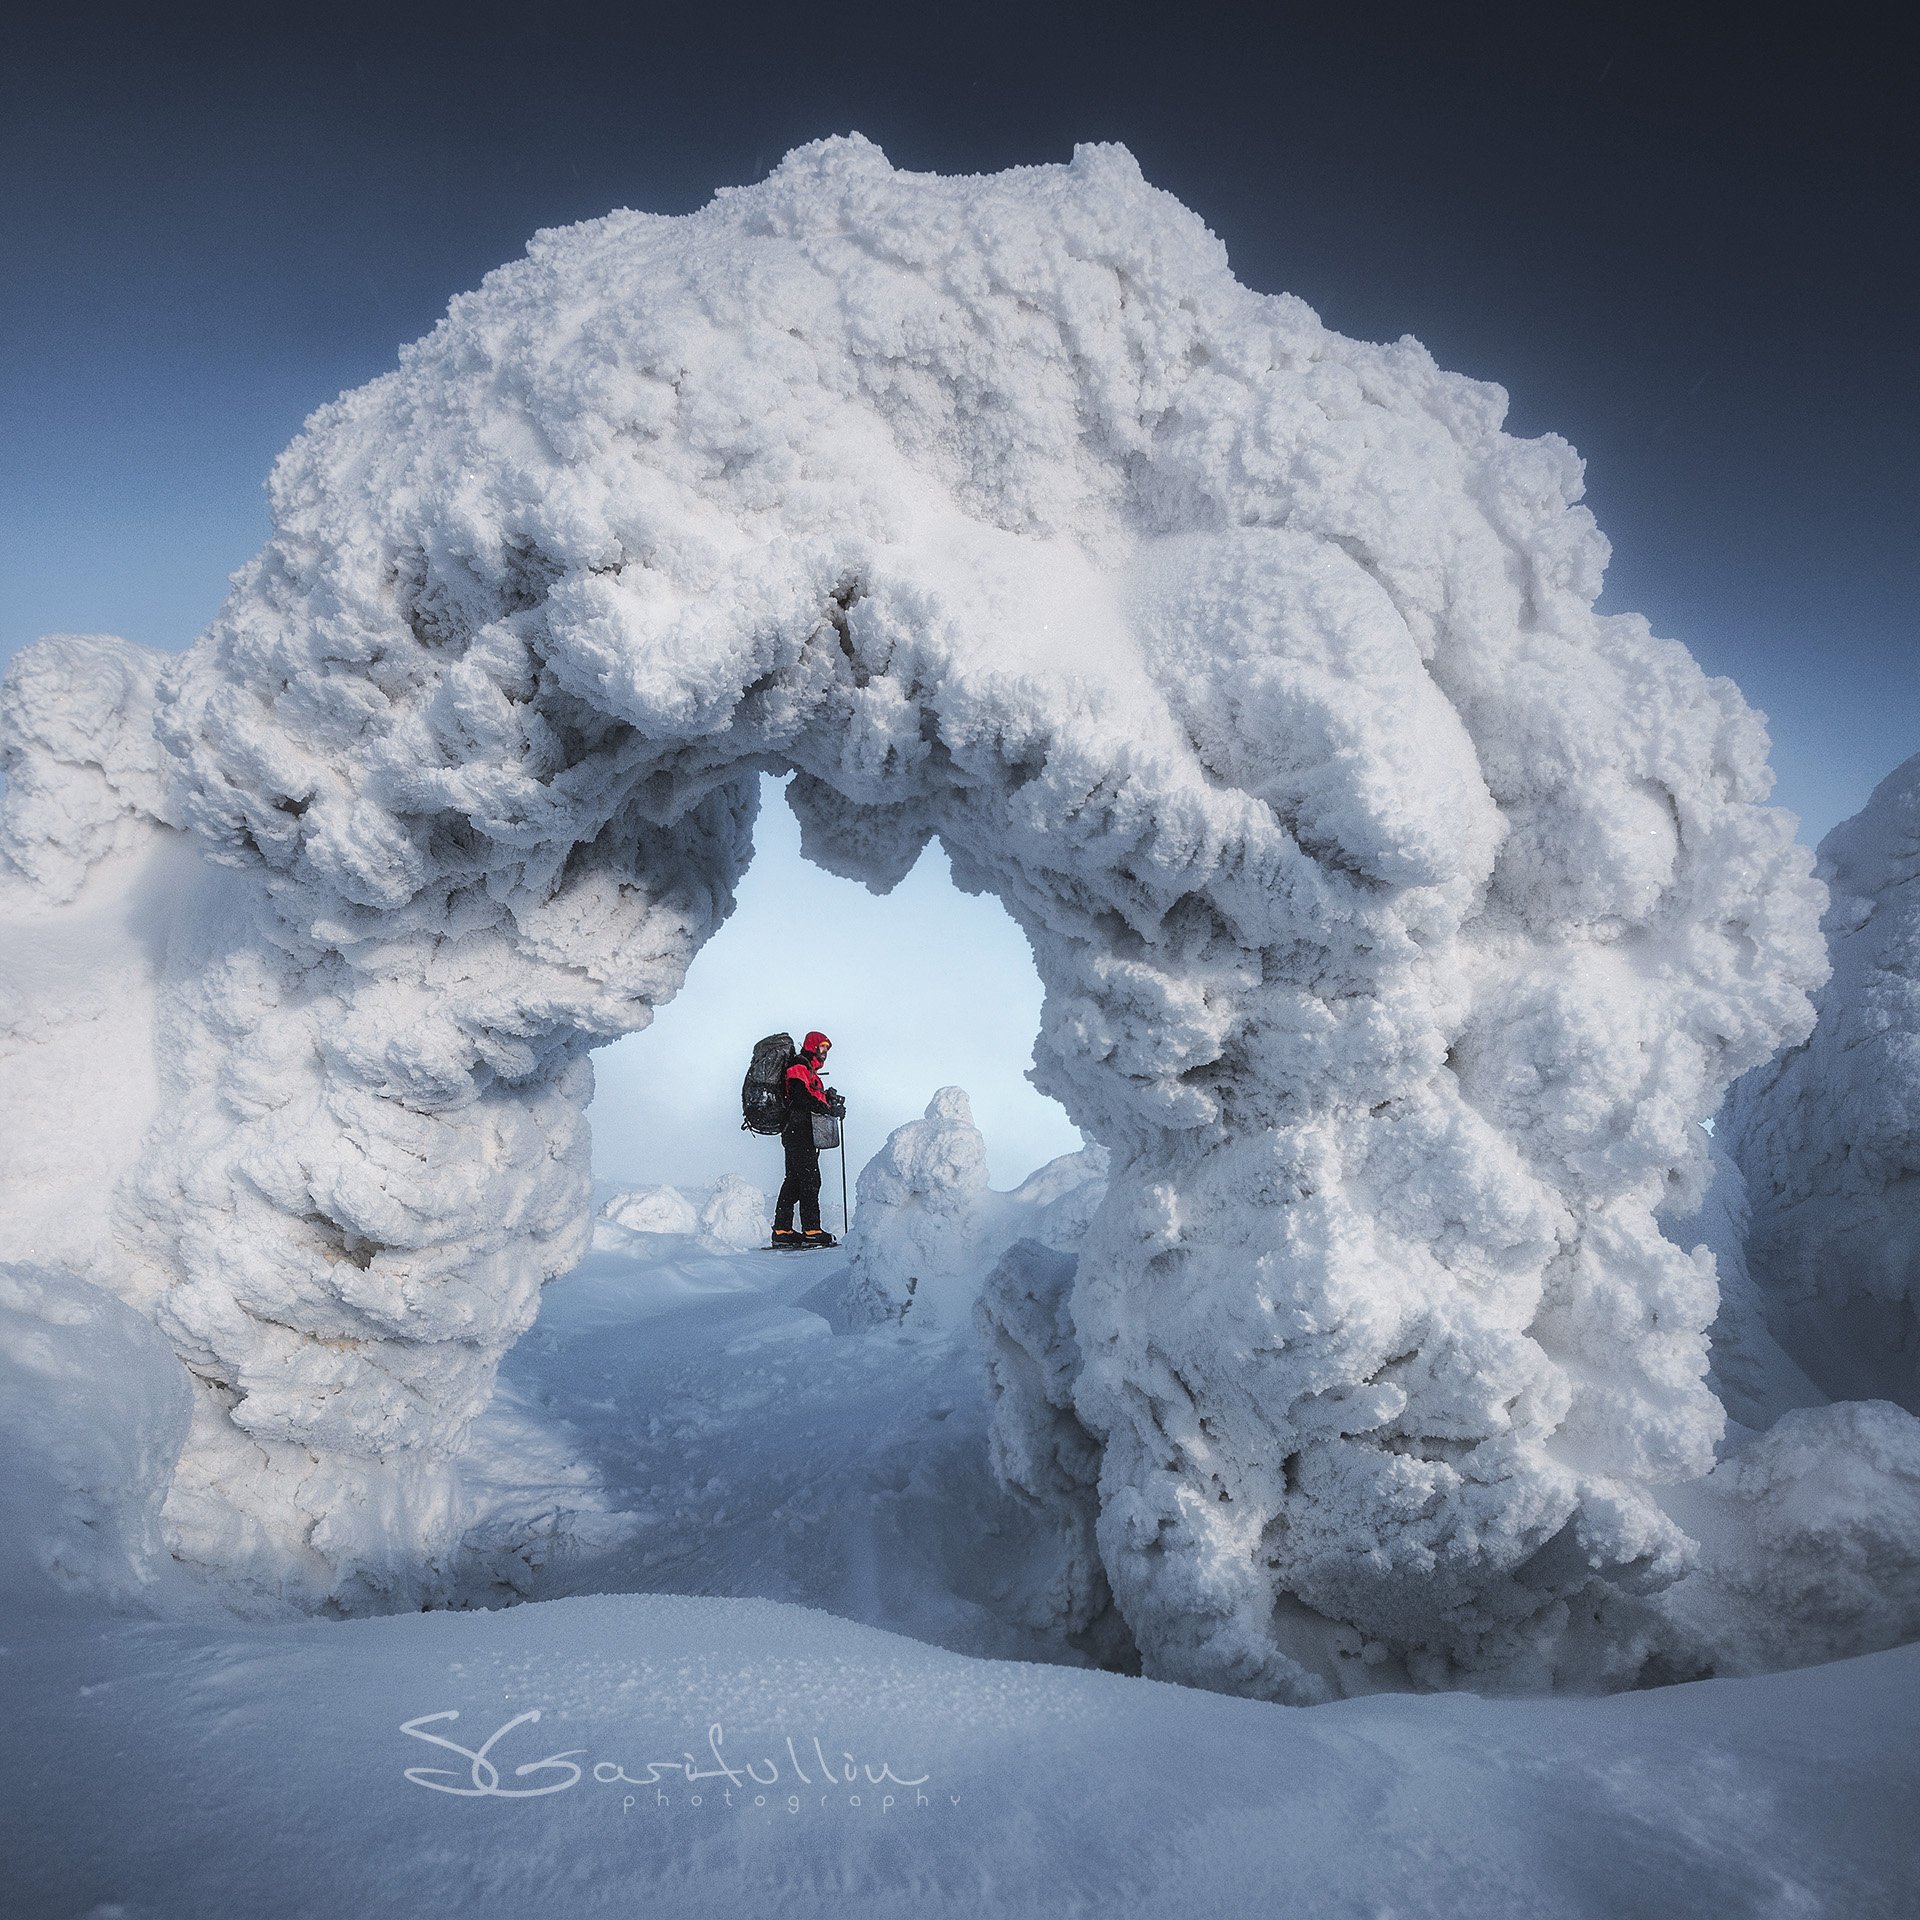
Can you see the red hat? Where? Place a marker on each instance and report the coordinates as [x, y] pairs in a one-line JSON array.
[[816, 1043]]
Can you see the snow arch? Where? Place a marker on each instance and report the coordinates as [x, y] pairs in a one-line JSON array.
[[1398, 915]]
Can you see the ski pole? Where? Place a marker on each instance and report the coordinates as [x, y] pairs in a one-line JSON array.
[[843, 1176]]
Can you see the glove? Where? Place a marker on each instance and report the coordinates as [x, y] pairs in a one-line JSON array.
[[837, 1105]]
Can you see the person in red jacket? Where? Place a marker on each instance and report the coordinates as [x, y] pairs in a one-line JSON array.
[[807, 1094]]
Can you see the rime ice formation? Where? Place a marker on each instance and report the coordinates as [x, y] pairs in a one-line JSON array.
[[921, 1199], [85, 776], [1749, 1373], [1829, 1134], [927, 1227], [1039, 1447], [1809, 1540], [1398, 914]]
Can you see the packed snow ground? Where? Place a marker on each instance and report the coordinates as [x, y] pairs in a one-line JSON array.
[[199, 1765], [760, 1453], [160, 1771]]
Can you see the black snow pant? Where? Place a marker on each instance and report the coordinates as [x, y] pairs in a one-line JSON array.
[[801, 1187]]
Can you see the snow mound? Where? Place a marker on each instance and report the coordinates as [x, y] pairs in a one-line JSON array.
[[1036, 1791], [651, 1210], [927, 1227], [1398, 914], [734, 1216], [94, 1407], [1810, 1543], [1829, 1134], [729, 1217]]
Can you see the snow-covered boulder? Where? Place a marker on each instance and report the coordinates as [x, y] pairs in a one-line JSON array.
[[927, 1227], [1828, 1134], [731, 1216], [651, 1210], [1399, 915], [734, 1216]]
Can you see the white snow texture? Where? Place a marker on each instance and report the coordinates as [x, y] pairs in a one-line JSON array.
[[1399, 915], [1828, 1135]]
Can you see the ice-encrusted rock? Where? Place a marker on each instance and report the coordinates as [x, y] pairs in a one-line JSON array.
[[927, 1227], [1828, 1134], [1398, 914]]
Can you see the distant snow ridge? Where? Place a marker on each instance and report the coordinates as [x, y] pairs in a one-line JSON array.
[[1398, 914], [1828, 1135]]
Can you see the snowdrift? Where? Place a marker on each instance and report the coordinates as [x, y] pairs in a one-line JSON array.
[[1399, 915], [1036, 1791], [93, 1413]]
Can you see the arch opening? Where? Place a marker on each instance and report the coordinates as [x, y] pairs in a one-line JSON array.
[[921, 987]]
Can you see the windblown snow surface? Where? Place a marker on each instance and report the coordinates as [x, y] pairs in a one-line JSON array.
[[812, 1550], [1401, 920]]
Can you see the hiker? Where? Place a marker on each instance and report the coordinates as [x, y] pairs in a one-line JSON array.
[[807, 1095]]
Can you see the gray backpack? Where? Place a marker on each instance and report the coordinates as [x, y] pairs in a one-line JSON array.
[[763, 1093]]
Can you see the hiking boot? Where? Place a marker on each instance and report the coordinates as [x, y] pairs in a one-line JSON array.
[[786, 1237], [818, 1237]]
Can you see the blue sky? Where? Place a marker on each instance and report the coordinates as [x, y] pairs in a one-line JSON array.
[[922, 988], [1685, 244]]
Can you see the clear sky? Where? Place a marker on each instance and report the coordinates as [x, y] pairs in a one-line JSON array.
[[1686, 243]]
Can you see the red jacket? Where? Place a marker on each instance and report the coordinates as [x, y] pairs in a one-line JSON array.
[[806, 1092]]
